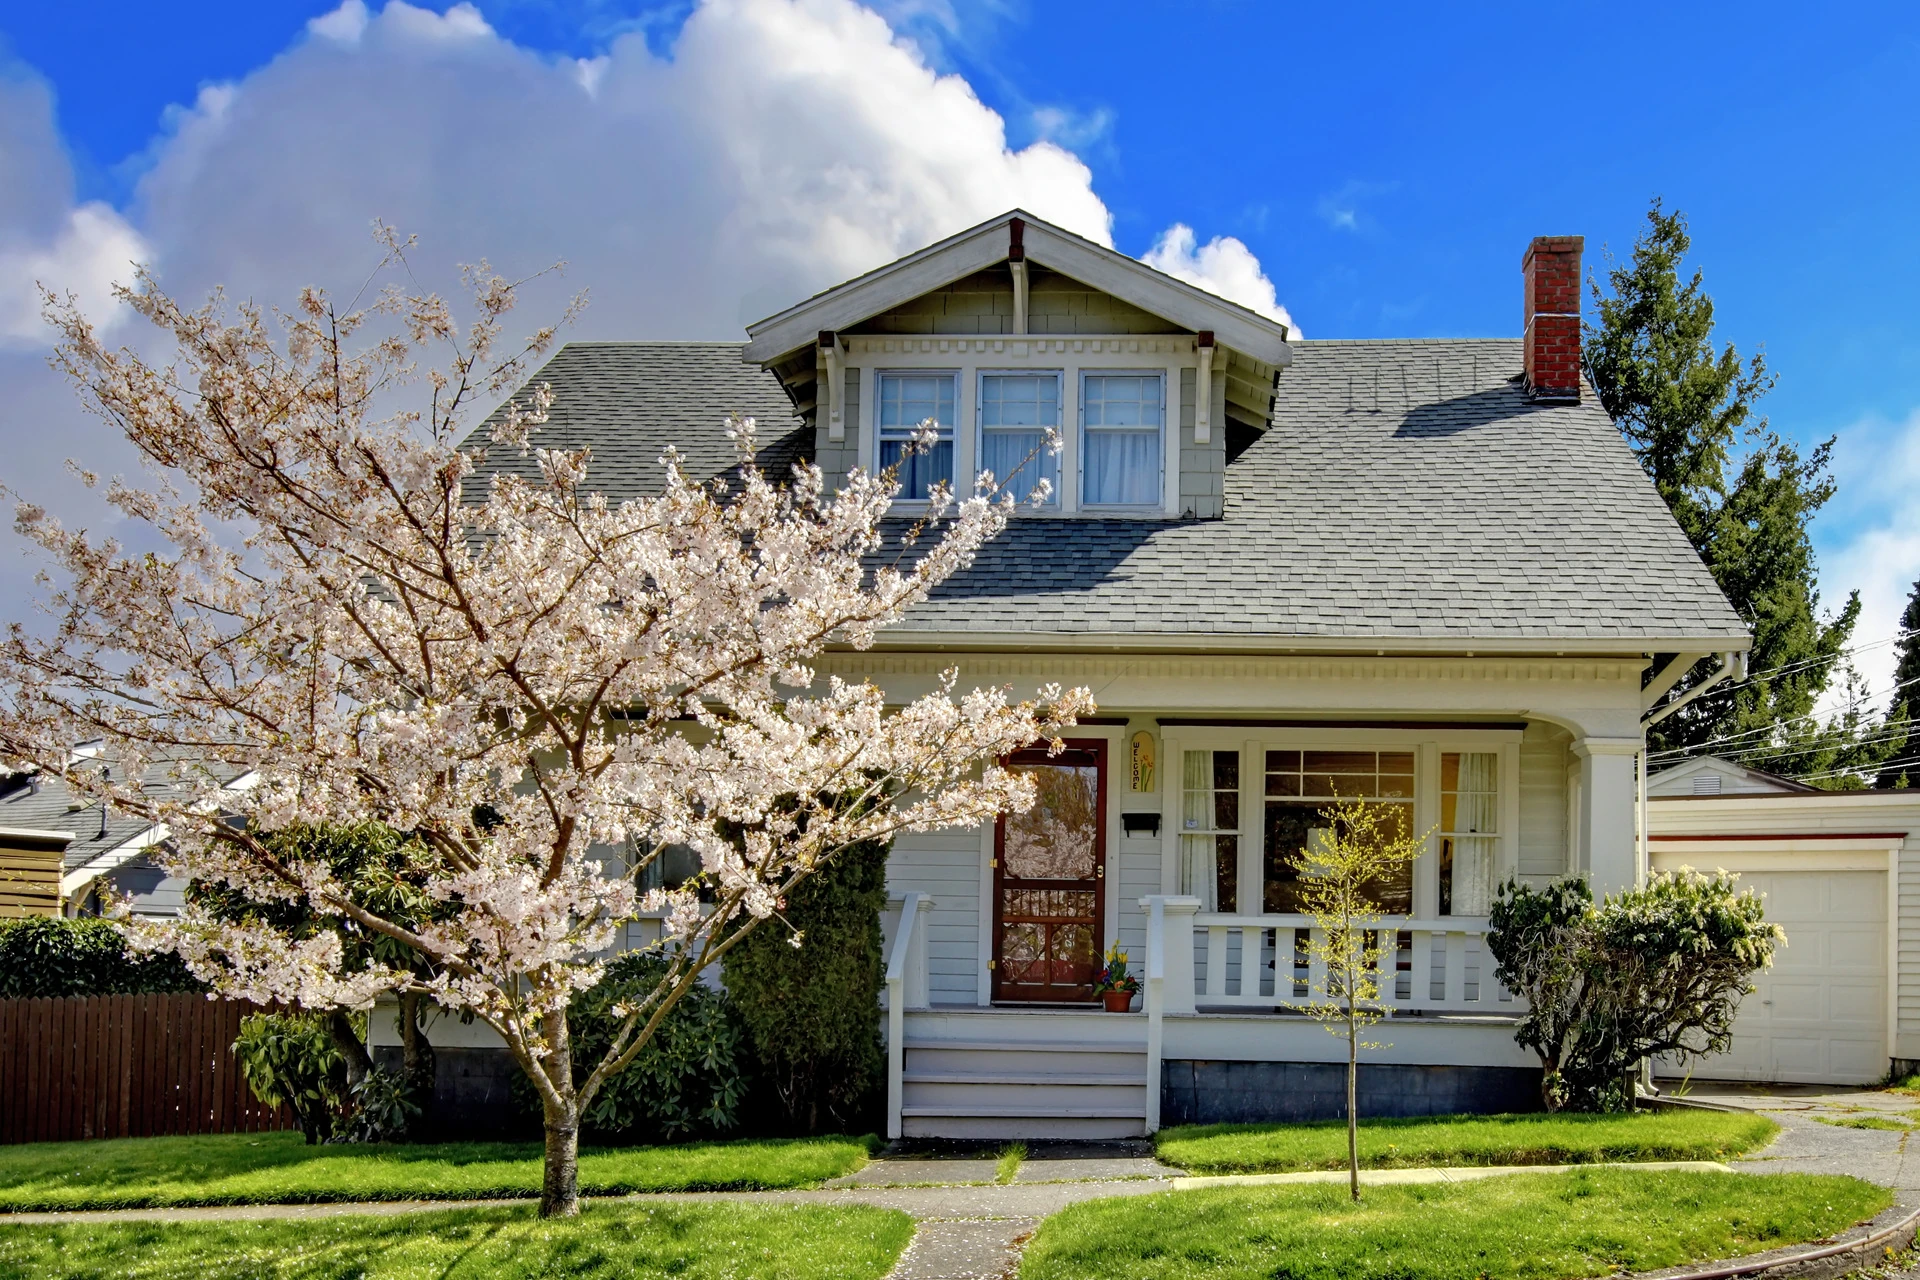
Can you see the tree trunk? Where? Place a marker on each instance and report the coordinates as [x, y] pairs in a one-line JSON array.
[[347, 1042], [1353, 1113], [417, 1058], [560, 1179]]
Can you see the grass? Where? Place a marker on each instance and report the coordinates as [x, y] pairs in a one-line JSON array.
[[261, 1168], [1010, 1157], [687, 1242], [1466, 1140], [1533, 1226], [1865, 1122]]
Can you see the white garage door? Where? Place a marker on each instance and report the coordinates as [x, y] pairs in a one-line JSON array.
[[1819, 1015]]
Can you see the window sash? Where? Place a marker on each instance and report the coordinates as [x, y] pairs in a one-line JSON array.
[[1122, 420], [1013, 429], [905, 399]]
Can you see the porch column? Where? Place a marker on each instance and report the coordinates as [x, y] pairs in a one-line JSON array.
[[1608, 801]]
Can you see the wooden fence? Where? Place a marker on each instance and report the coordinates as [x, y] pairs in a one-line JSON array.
[[125, 1067]]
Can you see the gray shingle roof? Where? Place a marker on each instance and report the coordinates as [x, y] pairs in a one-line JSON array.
[[1406, 490]]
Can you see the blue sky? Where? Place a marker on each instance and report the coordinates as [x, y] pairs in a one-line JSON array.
[[1384, 167]]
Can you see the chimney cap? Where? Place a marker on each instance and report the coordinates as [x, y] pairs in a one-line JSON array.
[[1553, 244]]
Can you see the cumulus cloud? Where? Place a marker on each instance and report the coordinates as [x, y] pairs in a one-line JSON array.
[[43, 238], [785, 145], [780, 146], [1222, 265], [1869, 539]]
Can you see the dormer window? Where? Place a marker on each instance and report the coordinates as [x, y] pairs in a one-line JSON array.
[[1121, 452], [1016, 409], [905, 401]]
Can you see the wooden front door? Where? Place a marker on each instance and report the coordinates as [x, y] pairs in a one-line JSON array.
[[1049, 878]]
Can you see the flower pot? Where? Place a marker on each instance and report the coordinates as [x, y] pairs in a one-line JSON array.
[[1117, 1001]]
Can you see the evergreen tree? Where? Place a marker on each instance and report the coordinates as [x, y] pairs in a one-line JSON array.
[[1743, 496], [1906, 686]]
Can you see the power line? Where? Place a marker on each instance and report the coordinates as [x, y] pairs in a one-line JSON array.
[[1754, 677], [1751, 753], [1696, 748], [1860, 769]]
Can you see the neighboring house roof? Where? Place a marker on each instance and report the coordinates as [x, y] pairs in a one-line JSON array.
[[1408, 493], [95, 848], [1714, 776]]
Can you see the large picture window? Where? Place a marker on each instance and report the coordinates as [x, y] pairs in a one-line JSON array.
[[1121, 415], [1016, 411], [1300, 787], [1210, 828], [905, 401]]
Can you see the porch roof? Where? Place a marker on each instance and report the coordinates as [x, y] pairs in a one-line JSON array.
[[1408, 493]]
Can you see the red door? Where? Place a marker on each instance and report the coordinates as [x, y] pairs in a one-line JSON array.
[[1049, 879]]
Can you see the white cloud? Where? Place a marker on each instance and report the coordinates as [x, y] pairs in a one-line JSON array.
[[1075, 130], [44, 239], [1222, 265], [783, 146], [1869, 537]]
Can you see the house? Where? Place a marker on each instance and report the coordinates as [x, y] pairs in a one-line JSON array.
[[1841, 873], [63, 853], [1427, 572]]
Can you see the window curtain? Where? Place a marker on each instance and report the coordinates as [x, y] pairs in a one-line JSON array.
[[1121, 468], [1476, 819], [1197, 867], [1021, 455]]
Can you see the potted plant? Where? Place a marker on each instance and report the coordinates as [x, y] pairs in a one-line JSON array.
[[1114, 984]]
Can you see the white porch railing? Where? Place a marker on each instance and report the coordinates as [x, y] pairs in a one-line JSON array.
[[1264, 962], [906, 988]]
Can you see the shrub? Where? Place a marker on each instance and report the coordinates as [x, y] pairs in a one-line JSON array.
[[812, 1012], [688, 1081], [1655, 970], [289, 1059], [52, 956]]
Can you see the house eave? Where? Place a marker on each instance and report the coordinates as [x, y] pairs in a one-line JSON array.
[[977, 248], [905, 639]]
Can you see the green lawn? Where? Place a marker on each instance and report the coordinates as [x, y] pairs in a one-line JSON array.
[[1528, 1226], [684, 1241], [252, 1168], [1468, 1140]]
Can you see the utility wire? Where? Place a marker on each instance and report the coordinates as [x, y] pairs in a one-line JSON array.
[[1761, 730]]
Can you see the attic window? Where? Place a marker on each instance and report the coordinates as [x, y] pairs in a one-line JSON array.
[[906, 401], [1120, 458], [1706, 784]]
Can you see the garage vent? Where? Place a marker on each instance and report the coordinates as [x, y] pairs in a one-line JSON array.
[[1706, 784]]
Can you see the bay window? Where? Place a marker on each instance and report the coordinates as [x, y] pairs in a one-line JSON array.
[[1121, 415], [1016, 412], [906, 400]]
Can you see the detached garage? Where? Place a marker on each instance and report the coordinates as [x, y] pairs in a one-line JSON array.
[[1832, 865]]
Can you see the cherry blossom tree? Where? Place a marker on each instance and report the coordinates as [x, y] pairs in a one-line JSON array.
[[544, 689]]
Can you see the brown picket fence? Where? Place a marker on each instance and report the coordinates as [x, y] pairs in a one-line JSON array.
[[125, 1067]]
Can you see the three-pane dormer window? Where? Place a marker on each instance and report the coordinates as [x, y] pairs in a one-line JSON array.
[[1120, 454], [906, 401], [1016, 411]]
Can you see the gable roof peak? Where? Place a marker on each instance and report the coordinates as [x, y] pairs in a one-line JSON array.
[[992, 242]]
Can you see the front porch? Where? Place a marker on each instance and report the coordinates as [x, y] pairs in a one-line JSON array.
[[1203, 1043]]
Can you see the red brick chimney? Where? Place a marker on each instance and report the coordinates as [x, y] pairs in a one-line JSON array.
[[1551, 268]]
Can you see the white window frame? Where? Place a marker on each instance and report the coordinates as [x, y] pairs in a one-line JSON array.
[[1161, 436], [955, 435], [1427, 746], [980, 428]]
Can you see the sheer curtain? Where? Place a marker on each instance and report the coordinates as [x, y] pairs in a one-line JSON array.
[[1122, 468], [1198, 870], [1475, 824]]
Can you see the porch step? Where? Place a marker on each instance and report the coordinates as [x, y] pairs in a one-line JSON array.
[[995, 1083]]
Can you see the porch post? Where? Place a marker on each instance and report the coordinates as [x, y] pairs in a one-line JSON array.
[[1608, 801]]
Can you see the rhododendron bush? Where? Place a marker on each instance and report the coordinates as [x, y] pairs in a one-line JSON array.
[[543, 688]]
